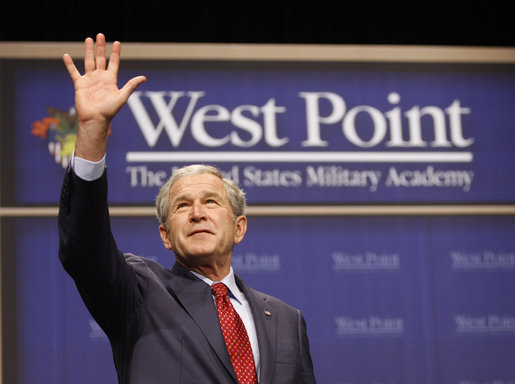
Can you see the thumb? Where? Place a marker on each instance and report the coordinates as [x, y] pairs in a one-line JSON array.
[[131, 85]]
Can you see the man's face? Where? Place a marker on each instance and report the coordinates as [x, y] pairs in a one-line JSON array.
[[200, 221]]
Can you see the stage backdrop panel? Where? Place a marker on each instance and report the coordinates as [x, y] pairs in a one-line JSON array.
[[288, 133], [386, 300]]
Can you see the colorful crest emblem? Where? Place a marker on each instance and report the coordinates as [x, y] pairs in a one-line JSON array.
[[59, 130]]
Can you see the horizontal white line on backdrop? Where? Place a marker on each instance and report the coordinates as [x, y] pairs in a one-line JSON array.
[[301, 157]]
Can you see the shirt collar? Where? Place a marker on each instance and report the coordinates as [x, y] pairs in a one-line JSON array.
[[228, 280]]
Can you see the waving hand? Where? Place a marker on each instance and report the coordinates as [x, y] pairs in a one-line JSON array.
[[97, 97]]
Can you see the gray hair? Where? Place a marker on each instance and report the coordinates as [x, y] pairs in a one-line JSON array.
[[235, 195]]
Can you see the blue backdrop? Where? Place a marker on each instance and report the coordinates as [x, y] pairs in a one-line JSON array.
[[387, 299]]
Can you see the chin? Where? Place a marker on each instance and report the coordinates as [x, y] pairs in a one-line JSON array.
[[199, 253]]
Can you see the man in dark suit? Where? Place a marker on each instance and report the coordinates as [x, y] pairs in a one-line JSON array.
[[165, 325]]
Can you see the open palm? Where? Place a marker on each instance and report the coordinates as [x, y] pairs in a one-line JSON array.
[[97, 97]]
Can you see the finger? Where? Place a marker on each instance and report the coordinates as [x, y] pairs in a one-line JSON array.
[[131, 85], [89, 55], [101, 52], [70, 66], [114, 59]]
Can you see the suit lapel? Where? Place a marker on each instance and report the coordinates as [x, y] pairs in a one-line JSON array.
[[195, 297], [265, 321]]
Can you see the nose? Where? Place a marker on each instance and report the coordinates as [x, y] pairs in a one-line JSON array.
[[197, 212]]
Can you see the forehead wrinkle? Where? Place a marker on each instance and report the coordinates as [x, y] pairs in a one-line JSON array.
[[187, 196], [192, 186]]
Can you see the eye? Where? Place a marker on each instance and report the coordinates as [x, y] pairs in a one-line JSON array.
[[211, 201], [181, 205]]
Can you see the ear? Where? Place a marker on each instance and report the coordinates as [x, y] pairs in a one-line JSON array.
[[241, 229], [164, 237]]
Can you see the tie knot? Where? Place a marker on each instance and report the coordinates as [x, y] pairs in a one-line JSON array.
[[219, 289]]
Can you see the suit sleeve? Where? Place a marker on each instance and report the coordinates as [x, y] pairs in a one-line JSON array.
[[306, 374], [89, 253]]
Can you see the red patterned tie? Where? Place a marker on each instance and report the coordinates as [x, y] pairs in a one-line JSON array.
[[235, 335]]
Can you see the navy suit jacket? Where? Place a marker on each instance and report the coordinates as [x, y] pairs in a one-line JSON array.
[[162, 323]]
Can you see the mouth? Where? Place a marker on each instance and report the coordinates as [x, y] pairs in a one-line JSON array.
[[199, 231]]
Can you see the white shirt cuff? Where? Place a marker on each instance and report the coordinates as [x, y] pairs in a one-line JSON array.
[[86, 169]]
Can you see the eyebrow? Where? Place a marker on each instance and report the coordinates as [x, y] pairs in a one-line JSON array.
[[186, 197]]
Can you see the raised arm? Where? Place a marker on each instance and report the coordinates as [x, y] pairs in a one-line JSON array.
[[97, 97]]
